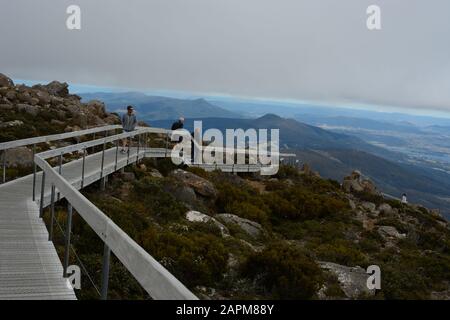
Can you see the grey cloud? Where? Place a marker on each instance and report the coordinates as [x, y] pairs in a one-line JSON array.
[[291, 49]]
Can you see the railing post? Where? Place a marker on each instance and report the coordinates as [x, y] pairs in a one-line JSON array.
[[41, 204], [105, 271], [52, 212], [60, 171], [34, 173], [138, 148], [4, 166], [82, 167], [128, 152], [102, 179], [167, 143], [68, 232], [117, 154]]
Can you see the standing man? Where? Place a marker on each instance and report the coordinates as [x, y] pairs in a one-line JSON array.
[[129, 122]]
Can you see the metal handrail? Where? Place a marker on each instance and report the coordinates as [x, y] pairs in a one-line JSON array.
[[153, 277], [55, 137]]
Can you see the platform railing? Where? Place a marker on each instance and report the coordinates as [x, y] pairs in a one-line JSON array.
[[152, 276], [33, 142]]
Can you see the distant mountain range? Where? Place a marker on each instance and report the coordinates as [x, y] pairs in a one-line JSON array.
[[335, 155], [159, 108]]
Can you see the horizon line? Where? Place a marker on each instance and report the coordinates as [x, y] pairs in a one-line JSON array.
[[87, 88]]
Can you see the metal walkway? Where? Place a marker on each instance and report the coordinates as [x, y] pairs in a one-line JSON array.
[[29, 265]]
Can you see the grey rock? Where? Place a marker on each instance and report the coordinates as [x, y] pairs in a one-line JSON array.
[[353, 280], [32, 110], [196, 216], [13, 123], [97, 107], [252, 228], [390, 232], [369, 206], [201, 186], [385, 209], [19, 156]]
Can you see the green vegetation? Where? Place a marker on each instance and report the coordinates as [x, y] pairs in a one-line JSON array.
[[306, 219]]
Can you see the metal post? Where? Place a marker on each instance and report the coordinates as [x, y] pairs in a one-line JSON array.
[[52, 213], [68, 232], [34, 173], [105, 271], [4, 166], [117, 154], [41, 204], [167, 144], [138, 148], [103, 160], [128, 152], [82, 167], [60, 171]]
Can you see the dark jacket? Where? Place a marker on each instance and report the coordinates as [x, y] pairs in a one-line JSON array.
[[177, 125]]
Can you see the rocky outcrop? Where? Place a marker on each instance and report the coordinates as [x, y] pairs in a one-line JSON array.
[[356, 183], [253, 229], [352, 280], [51, 102], [201, 186]]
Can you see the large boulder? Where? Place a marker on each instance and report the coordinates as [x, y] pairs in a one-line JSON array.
[[252, 228], [196, 216], [352, 280], [5, 81], [200, 185]]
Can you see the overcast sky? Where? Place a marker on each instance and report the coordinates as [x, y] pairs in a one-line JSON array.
[[310, 50]]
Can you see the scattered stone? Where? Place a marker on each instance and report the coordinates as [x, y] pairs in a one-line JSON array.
[[385, 208]]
